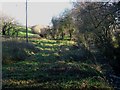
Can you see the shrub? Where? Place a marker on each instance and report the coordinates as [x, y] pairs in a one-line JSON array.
[[13, 50]]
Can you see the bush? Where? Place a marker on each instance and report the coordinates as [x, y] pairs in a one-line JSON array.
[[13, 51]]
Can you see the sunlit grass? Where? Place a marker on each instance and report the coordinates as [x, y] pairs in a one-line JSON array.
[[50, 68], [23, 34]]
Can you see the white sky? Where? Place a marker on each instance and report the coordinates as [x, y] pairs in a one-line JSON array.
[[38, 12]]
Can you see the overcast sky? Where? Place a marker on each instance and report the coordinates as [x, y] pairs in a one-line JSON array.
[[38, 12]]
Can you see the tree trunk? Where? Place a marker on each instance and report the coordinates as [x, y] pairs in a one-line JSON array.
[[3, 30], [70, 35], [62, 35]]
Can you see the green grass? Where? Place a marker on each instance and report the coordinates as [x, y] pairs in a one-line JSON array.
[[51, 68], [22, 32], [52, 75]]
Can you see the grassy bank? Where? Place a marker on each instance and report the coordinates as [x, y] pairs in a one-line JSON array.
[[49, 64]]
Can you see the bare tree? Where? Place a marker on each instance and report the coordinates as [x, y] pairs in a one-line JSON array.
[[8, 25]]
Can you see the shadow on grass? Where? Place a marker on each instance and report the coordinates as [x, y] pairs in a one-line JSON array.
[[45, 68], [58, 75]]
